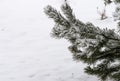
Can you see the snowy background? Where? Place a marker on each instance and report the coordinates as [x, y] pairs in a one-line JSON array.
[[28, 53]]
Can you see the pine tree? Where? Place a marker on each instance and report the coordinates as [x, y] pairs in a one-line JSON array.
[[99, 48]]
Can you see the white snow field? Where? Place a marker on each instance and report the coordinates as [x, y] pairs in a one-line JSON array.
[[28, 53]]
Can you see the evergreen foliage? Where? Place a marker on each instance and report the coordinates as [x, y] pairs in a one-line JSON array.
[[107, 2], [99, 48], [110, 1], [117, 1]]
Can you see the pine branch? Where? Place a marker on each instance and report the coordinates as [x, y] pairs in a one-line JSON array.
[[56, 16], [87, 41], [84, 30]]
